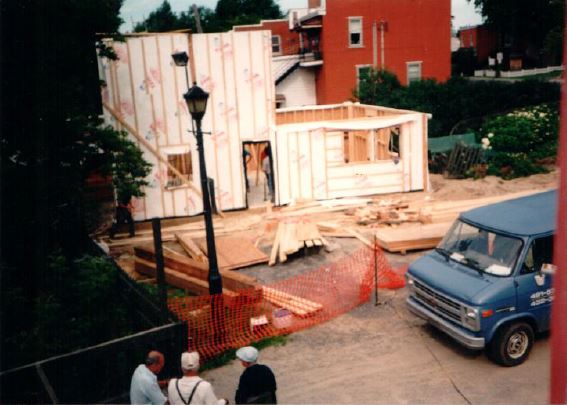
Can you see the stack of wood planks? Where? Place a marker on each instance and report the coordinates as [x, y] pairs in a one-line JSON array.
[[292, 236], [226, 226], [235, 253], [232, 253], [386, 212], [298, 306], [189, 274]]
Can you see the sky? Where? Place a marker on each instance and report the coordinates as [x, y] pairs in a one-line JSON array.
[[134, 11]]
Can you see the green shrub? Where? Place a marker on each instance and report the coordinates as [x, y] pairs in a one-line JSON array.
[[76, 305], [457, 104], [520, 141]]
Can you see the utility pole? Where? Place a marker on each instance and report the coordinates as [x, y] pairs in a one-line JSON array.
[[197, 17]]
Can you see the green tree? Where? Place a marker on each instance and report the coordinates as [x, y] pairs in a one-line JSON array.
[[379, 87], [227, 14], [537, 21], [160, 20], [457, 104], [237, 12], [51, 139], [209, 22]]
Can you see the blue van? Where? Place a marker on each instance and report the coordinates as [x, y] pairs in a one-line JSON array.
[[489, 283]]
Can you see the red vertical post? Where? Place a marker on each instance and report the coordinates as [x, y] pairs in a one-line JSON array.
[[558, 389]]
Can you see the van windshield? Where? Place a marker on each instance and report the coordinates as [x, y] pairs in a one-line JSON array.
[[480, 249]]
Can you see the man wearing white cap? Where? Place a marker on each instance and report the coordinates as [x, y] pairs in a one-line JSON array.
[[191, 389], [257, 383]]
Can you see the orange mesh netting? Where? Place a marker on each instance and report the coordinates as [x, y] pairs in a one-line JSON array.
[[284, 306]]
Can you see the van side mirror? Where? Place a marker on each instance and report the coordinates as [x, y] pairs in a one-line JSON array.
[[548, 268]]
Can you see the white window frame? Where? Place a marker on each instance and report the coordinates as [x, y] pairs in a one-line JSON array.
[[358, 69], [417, 63], [350, 32], [279, 44]]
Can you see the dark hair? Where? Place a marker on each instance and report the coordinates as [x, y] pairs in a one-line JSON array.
[[152, 359]]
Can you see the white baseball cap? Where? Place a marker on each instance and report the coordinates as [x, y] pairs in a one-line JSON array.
[[248, 354], [190, 361]]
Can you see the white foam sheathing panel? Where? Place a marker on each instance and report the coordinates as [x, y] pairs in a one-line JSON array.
[[310, 160], [235, 69], [145, 88]]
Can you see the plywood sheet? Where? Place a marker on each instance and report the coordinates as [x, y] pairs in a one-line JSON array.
[[235, 253], [413, 237]]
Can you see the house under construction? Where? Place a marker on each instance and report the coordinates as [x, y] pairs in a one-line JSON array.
[[317, 152]]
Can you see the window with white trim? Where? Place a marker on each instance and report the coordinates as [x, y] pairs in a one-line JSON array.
[[182, 162], [362, 71], [413, 71], [276, 44], [355, 32]]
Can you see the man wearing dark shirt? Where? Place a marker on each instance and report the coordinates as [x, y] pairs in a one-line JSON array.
[[257, 383]]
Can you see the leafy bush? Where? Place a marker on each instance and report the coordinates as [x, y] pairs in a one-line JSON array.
[[521, 141], [76, 305], [457, 104]]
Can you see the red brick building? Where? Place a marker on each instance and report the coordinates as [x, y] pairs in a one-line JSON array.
[[339, 39], [284, 40], [482, 40]]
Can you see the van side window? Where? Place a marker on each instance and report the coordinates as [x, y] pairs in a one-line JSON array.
[[540, 252]]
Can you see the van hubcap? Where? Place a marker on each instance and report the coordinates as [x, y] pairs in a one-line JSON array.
[[517, 344]]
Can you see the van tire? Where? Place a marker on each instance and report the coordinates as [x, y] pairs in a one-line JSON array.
[[512, 344]]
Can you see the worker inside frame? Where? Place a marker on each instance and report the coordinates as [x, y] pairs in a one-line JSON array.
[[123, 214], [267, 169]]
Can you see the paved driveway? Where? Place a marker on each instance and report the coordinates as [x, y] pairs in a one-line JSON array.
[[384, 354]]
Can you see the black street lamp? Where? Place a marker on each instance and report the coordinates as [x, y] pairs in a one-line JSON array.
[[196, 99]]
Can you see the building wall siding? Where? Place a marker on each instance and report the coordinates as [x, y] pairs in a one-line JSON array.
[[298, 88]]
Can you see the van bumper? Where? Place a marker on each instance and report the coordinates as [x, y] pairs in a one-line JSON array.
[[461, 336]]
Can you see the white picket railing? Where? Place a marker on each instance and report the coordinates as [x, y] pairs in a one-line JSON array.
[[517, 73]]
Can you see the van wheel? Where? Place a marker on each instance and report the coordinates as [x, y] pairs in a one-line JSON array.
[[512, 344]]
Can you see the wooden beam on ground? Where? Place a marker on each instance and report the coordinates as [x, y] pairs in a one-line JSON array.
[[298, 306], [191, 248], [193, 268], [178, 279], [360, 237], [276, 246]]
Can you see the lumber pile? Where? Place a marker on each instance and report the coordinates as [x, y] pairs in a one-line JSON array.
[[386, 212], [188, 274], [191, 248], [193, 229], [191, 275], [235, 253], [298, 306], [292, 236], [435, 219]]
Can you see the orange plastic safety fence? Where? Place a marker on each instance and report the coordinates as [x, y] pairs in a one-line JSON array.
[[222, 322]]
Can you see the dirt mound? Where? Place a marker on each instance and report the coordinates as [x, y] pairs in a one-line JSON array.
[[450, 189]]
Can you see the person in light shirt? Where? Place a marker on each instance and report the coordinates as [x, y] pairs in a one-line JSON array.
[[144, 388], [191, 389]]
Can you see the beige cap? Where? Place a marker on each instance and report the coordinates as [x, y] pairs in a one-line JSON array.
[[190, 361]]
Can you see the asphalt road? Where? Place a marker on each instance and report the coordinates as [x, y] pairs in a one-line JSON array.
[[385, 355]]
